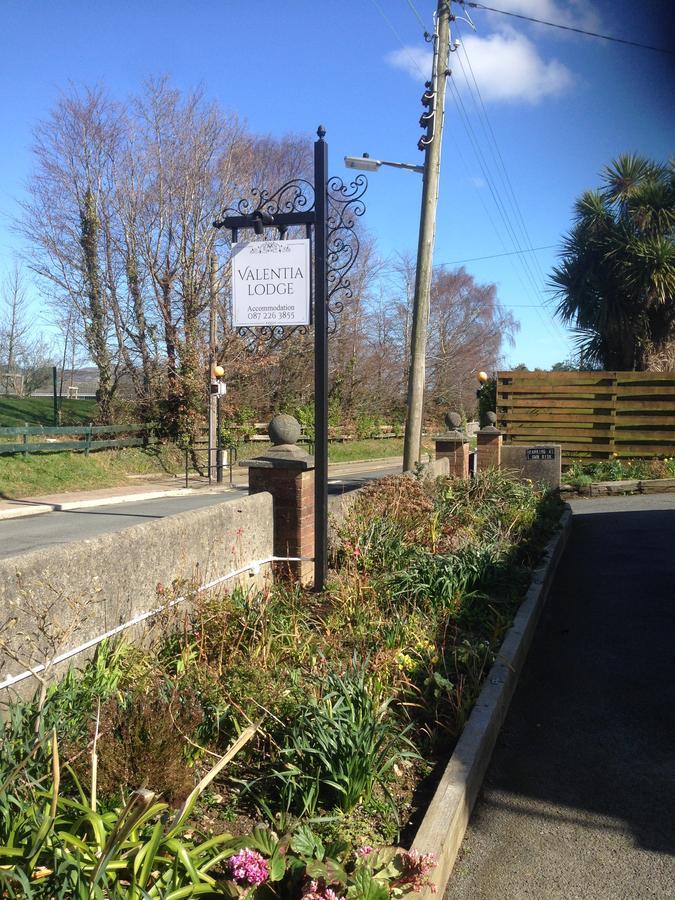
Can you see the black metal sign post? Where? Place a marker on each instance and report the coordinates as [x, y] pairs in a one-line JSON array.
[[327, 208], [320, 363]]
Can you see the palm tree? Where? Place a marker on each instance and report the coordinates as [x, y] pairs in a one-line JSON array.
[[616, 281]]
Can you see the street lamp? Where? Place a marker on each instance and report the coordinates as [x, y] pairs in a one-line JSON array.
[[372, 165]]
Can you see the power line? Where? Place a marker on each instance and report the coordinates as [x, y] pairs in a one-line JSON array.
[[501, 210], [492, 141], [417, 16], [398, 37], [456, 262], [510, 194], [501, 174], [499, 204], [596, 34]]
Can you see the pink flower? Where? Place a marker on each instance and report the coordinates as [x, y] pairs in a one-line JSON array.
[[248, 867], [416, 867], [317, 890], [364, 851]]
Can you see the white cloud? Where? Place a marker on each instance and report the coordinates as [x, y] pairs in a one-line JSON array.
[[576, 13], [416, 61], [508, 68], [506, 65]]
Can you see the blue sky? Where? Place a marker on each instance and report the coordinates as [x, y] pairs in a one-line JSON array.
[[554, 107]]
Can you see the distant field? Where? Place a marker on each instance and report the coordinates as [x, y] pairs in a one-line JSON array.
[[40, 411]]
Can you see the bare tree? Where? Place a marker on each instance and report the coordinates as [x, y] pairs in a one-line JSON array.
[[25, 355], [468, 328], [119, 218], [65, 221], [14, 322]]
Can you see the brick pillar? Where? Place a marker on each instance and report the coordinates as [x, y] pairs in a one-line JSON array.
[[287, 472], [489, 448], [454, 446]]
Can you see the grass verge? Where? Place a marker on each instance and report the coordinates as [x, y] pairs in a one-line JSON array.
[[50, 473]]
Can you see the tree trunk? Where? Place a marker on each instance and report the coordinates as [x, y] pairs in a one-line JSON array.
[[96, 325]]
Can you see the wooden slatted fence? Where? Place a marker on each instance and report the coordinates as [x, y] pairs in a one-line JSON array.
[[590, 414]]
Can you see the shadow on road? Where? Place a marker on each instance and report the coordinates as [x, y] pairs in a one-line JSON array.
[[592, 725]]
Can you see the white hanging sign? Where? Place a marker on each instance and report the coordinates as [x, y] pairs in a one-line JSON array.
[[270, 283]]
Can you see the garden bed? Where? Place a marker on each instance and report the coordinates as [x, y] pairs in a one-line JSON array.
[[330, 711], [580, 475]]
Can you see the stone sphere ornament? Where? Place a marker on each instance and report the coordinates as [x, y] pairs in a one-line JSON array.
[[492, 418], [453, 421], [284, 429]]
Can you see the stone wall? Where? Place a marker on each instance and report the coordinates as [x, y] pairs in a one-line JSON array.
[[57, 598]]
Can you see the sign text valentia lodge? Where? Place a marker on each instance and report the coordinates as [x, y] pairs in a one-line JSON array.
[[270, 283]]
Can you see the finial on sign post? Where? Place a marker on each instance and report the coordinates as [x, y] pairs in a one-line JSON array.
[[321, 131]]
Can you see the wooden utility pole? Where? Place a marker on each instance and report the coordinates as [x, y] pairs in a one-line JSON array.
[[434, 101], [213, 398]]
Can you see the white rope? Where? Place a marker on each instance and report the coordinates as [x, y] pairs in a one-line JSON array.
[[253, 567]]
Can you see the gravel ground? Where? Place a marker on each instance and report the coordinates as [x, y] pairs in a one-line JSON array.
[[579, 799]]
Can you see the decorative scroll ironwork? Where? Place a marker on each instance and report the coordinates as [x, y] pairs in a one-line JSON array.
[[296, 195], [272, 335], [345, 205]]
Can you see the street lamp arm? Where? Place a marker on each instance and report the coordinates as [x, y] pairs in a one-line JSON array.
[[398, 165], [372, 165]]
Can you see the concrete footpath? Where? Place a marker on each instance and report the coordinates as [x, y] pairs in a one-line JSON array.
[[579, 799]]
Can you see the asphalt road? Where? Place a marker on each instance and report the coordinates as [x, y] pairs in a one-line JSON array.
[[34, 532], [579, 799]]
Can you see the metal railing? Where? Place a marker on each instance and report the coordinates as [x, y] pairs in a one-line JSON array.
[[226, 457]]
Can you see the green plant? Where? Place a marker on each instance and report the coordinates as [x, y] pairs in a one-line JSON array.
[[238, 424], [56, 847], [66, 848], [334, 412], [304, 413], [367, 426], [441, 581], [616, 280], [487, 400], [580, 474], [339, 747], [427, 580]]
